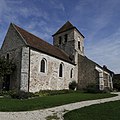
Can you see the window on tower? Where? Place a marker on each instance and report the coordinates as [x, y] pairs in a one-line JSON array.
[[79, 45], [7, 56], [66, 37], [60, 40]]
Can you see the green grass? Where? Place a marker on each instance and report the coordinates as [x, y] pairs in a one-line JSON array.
[[106, 111], [7, 104]]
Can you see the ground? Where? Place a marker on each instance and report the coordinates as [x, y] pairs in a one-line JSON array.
[[52, 113]]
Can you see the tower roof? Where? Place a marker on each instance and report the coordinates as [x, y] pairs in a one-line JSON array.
[[67, 26]]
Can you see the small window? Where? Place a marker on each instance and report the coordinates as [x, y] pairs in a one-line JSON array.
[[66, 37], [82, 49], [78, 44], [7, 56], [43, 66], [60, 40], [71, 73], [61, 70]]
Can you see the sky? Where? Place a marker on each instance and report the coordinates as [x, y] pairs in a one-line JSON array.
[[97, 20]]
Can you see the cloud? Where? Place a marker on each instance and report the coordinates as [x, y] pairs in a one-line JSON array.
[[3, 7], [57, 5], [106, 51], [96, 19], [97, 15]]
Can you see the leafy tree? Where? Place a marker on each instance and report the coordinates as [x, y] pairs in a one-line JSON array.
[[6, 67], [116, 82]]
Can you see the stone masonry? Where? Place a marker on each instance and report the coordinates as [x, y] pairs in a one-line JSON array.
[[12, 45], [49, 80], [87, 74], [27, 51]]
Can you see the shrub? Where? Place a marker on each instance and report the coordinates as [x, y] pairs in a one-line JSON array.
[[116, 84], [21, 95], [107, 90], [51, 92], [4, 93], [72, 85], [92, 88]]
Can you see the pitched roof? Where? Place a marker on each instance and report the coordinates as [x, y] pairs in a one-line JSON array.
[[41, 45], [103, 68], [107, 70], [65, 27]]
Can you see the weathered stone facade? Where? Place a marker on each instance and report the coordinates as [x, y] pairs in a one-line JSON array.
[[86, 72], [49, 80], [27, 52], [71, 46], [24, 83], [12, 45]]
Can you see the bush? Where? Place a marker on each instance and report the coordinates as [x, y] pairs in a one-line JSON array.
[[21, 95], [4, 93], [116, 84], [72, 85], [51, 92], [91, 88]]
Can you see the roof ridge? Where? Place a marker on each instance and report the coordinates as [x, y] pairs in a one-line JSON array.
[[39, 44], [35, 36], [67, 26], [19, 32], [30, 33]]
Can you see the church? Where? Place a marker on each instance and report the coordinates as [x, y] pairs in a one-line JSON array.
[[42, 66]]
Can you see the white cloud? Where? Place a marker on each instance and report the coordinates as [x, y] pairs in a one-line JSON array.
[[57, 5], [3, 7], [106, 51]]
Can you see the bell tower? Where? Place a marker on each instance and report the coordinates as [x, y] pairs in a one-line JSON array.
[[69, 39]]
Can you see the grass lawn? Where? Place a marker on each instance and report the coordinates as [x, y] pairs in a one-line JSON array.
[[7, 104], [105, 111]]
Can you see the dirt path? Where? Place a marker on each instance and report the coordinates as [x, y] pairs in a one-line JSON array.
[[55, 113]]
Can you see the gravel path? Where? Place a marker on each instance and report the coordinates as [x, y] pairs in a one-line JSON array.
[[54, 113]]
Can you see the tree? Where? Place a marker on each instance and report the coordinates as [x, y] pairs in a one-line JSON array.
[[116, 82], [7, 67]]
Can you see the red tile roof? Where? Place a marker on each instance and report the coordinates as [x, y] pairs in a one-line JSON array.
[[65, 27], [41, 45]]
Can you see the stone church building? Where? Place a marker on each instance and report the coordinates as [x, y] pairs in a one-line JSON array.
[[42, 66]]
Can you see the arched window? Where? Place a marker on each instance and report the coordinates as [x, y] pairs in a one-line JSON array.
[[71, 73], [61, 70], [79, 45], [43, 66]]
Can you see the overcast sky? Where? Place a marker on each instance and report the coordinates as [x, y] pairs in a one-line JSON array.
[[97, 20]]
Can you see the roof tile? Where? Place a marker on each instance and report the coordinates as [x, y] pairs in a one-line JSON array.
[[41, 45]]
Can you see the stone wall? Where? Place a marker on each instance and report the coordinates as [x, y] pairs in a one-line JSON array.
[[87, 73], [79, 37], [49, 80], [12, 45], [68, 46], [25, 69], [71, 46]]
